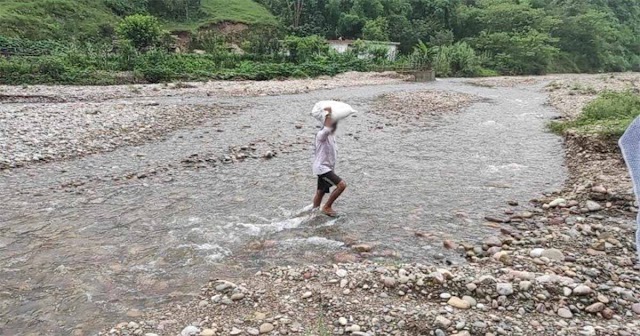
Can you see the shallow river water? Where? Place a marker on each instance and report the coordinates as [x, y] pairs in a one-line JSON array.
[[79, 259]]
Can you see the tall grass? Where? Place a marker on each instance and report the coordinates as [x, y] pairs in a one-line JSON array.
[[608, 115], [460, 60]]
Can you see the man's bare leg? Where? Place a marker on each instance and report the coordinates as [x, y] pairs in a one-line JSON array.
[[327, 209], [317, 199]]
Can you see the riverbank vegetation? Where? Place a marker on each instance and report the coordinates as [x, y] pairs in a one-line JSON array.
[[507, 36], [125, 41], [608, 115]]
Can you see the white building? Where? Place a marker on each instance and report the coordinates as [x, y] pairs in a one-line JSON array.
[[342, 46]]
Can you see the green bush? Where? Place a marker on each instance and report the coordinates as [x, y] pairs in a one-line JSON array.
[[22, 46], [157, 74], [209, 41], [608, 115], [376, 30], [484, 72], [358, 48], [378, 54], [423, 56], [88, 63], [634, 61], [16, 71], [302, 49], [127, 56], [458, 60], [154, 66], [53, 68], [263, 41], [158, 65], [142, 30]]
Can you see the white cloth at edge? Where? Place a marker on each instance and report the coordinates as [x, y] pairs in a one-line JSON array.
[[630, 145], [339, 110], [325, 152]]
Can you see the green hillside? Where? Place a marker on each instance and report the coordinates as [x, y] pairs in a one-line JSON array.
[[63, 19], [244, 11], [52, 19]]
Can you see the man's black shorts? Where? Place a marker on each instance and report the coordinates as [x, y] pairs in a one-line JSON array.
[[328, 180]]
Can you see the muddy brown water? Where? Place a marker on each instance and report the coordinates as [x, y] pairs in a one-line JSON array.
[[80, 258]]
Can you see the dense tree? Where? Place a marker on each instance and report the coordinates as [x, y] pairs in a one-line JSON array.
[[376, 30], [514, 36], [518, 53], [350, 25], [396, 7], [441, 12], [401, 30], [591, 39], [368, 9], [143, 31]]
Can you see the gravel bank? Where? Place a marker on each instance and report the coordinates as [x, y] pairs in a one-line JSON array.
[[571, 93], [47, 132], [591, 160], [511, 81], [563, 267], [180, 89], [47, 123], [418, 108], [566, 84]]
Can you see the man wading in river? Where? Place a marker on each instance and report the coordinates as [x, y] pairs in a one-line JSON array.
[[324, 165]]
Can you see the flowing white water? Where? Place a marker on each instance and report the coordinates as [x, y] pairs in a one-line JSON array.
[[88, 254]]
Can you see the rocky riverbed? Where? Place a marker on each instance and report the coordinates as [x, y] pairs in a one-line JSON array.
[[131, 233], [561, 264], [562, 267], [48, 123], [53, 94], [417, 109]]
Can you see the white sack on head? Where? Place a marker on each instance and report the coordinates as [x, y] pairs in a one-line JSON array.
[[339, 110]]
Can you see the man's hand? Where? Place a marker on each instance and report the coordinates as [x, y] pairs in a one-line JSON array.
[[328, 122]]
